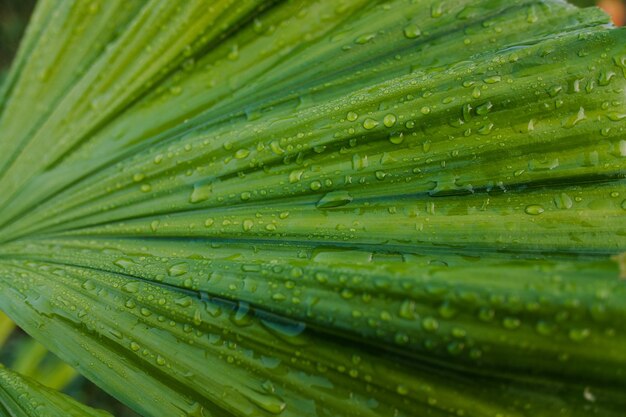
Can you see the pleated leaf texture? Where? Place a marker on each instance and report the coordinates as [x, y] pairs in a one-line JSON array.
[[21, 396], [319, 208]]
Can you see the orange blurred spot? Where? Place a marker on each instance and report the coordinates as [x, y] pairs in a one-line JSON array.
[[616, 9]]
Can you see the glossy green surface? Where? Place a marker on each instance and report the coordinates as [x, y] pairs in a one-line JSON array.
[[321, 208]]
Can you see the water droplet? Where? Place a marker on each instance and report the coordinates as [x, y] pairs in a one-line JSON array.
[[89, 285], [605, 77], [511, 323], [578, 335], [430, 324], [334, 199], [359, 162], [588, 395], [436, 9], [573, 120], [380, 175], [233, 54], [275, 147], [467, 112], [401, 338], [534, 209], [201, 192], [242, 153], [485, 129], [282, 326], [620, 61], [446, 310], [544, 328], [131, 287], [390, 120], [616, 116], [124, 263], [278, 297], [315, 185], [543, 164], [458, 333], [484, 108], [412, 31], [396, 138], [402, 389], [407, 310], [352, 116], [268, 402], [295, 176], [363, 39], [492, 80], [347, 293], [563, 201], [247, 225], [370, 123], [178, 269], [554, 90], [486, 314]]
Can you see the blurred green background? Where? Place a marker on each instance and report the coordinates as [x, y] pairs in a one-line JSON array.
[[14, 16]]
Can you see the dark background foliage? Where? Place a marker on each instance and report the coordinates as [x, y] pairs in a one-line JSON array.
[[14, 16]]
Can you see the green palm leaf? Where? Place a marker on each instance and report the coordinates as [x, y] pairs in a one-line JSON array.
[[319, 208], [23, 397]]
